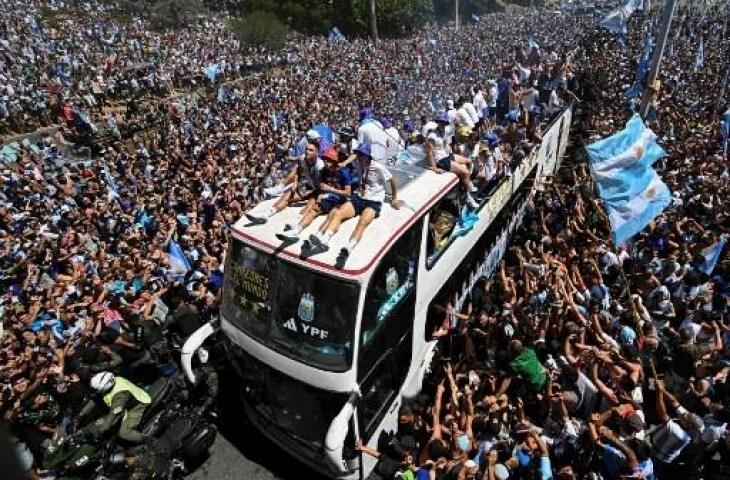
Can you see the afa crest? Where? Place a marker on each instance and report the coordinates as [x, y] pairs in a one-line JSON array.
[[392, 282], [306, 308]]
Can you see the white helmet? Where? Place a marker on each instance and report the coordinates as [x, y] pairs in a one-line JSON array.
[[102, 382]]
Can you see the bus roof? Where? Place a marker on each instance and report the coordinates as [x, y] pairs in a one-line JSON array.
[[418, 189]]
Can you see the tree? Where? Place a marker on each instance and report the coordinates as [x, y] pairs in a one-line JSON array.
[[164, 14], [260, 28], [395, 17]]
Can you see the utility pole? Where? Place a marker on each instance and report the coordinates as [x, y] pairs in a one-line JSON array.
[[457, 14], [656, 60], [373, 22]]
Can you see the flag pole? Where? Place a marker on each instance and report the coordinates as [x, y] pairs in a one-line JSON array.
[[656, 61]]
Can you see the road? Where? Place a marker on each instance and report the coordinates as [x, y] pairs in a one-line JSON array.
[[242, 452]]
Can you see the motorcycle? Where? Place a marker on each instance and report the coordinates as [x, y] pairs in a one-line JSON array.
[[176, 434]]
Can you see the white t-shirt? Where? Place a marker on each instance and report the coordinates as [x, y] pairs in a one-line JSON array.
[[529, 99], [373, 180], [464, 118], [493, 94], [480, 103], [440, 145], [472, 111], [371, 131], [394, 143]]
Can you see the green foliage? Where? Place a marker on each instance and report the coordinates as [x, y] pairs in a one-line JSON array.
[[163, 14], [260, 28], [395, 17], [313, 17]]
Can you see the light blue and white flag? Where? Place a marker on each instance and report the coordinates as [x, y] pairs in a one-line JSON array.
[[178, 261], [630, 217], [700, 56], [335, 35], [621, 163], [475, 17], [632, 192], [211, 71], [615, 20], [637, 4], [711, 255], [531, 43]]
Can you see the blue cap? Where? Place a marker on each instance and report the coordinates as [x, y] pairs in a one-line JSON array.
[[493, 139], [627, 335], [386, 122], [366, 113], [442, 117], [364, 149]]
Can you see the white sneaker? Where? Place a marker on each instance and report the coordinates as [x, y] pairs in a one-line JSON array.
[[288, 236], [473, 188], [471, 203]]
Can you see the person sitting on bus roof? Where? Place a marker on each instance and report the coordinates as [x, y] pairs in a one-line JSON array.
[[440, 159], [366, 201], [303, 183], [335, 189]]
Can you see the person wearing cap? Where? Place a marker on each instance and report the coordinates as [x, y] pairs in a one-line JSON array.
[[371, 132], [366, 202], [347, 143], [440, 159], [303, 182], [335, 189]]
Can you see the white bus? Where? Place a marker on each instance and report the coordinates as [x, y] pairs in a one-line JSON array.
[[328, 355]]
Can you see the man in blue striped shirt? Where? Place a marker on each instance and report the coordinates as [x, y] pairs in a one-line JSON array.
[[672, 436]]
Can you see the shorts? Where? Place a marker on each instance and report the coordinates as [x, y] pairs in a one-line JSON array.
[[328, 203], [360, 205], [445, 163]]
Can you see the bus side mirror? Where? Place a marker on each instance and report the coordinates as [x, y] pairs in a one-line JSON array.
[[191, 345], [336, 434]]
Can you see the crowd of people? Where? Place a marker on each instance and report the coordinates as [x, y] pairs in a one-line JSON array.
[[580, 358]]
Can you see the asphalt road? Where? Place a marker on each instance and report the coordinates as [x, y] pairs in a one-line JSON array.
[[242, 452]]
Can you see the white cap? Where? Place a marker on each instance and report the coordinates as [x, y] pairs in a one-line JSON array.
[[313, 134]]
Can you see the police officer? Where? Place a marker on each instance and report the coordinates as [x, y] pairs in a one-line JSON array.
[[205, 388], [125, 400]]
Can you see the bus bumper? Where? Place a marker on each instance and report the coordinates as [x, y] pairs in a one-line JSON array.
[[316, 462]]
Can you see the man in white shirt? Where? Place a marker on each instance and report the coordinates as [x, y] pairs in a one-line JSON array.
[[480, 104], [394, 142], [366, 201], [372, 133]]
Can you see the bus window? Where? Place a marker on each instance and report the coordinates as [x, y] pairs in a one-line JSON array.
[[392, 283], [377, 391], [442, 222], [303, 314]]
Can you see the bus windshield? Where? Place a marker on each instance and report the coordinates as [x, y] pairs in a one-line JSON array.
[[300, 313]]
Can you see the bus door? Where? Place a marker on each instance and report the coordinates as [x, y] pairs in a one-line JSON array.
[[386, 335]]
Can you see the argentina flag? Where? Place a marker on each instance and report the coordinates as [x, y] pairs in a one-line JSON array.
[[179, 263], [711, 255], [632, 192], [615, 20]]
